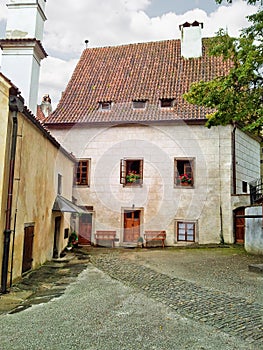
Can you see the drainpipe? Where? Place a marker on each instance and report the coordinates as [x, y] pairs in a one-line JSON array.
[[16, 104], [234, 159]]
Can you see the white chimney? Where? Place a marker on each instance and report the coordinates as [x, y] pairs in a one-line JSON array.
[[191, 39], [22, 50]]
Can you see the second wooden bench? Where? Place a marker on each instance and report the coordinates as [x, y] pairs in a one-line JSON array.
[[150, 236], [105, 236]]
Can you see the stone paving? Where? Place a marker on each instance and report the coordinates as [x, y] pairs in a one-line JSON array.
[[233, 315]]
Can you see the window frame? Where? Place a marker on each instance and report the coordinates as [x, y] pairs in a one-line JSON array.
[[105, 105], [139, 104], [77, 167], [167, 102], [190, 173], [125, 168], [186, 231]]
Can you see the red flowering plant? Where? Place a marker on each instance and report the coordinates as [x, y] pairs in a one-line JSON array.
[[185, 178], [132, 176]]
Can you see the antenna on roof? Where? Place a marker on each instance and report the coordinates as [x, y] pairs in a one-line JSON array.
[[86, 42]]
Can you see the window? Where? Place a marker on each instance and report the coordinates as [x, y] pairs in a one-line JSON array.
[[166, 102], [244, 186], [105, 106], [59, 184], [82, 172], [131, 171], [185, 231], [184, 172], [139, 104]]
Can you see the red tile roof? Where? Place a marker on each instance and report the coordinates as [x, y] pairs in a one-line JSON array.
[[121, 74]]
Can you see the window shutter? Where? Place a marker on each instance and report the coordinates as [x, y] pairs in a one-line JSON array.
[[141, 171], [123, 171]]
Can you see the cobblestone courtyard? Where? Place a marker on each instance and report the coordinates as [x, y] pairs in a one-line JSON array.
[[171, 299]]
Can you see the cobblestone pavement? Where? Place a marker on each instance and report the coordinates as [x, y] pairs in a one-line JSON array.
[[233, 315]]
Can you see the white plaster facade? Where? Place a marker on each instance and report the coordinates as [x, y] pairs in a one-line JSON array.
[[208, 204], [254, 231]]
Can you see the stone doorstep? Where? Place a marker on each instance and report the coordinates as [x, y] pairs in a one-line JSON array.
[[256, 268]]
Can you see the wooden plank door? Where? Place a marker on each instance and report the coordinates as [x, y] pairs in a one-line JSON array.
[[239, 226], [85, 228], [131, 225], [28, 248]]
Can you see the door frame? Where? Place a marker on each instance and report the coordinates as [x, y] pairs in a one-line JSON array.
[[133, 208]]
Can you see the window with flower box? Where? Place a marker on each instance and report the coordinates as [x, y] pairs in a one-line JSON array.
[[81, 173], [131, 172], [184, 172], [185, 231]]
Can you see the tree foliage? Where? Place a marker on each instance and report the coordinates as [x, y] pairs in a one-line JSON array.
[[238, 96], [251, 2]]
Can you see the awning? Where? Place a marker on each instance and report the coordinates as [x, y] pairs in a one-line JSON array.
[[64, 205]]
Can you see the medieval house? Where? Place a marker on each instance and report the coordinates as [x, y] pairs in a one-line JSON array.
[[146, 161]]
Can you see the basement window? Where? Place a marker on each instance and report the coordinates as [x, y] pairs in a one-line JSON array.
[[105, 106], [167, 102], [131, 172]]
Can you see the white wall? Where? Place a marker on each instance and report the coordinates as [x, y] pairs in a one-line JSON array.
[[254, 231]]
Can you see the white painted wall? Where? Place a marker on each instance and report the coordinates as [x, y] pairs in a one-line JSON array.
[[254, 231], [162, 203]]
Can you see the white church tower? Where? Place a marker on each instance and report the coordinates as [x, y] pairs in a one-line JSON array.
[[22, 50]]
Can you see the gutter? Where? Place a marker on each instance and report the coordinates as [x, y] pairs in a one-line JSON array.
[[16, 104], [234, 160]]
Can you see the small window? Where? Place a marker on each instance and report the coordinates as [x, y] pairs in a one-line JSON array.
[[166, 102], [139, 104], [105, 106], [131, 172], [184, 172], [82, 172], [244, 186], [59, 184], [185, 231]]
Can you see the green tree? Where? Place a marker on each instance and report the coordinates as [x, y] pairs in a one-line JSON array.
[[251, 2], [238, 96]]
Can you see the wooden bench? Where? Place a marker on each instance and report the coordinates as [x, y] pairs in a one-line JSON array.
[[105, 236], [150, 236]]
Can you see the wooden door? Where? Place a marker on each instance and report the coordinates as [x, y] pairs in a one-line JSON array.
[[28, 248], [239, 226], [131, 225], [85, 228]]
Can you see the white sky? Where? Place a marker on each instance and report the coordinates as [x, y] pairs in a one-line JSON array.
[[116, 22]]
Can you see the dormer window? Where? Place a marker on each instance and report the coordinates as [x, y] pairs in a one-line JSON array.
[[166, 102], [105, 106], [139, 104]]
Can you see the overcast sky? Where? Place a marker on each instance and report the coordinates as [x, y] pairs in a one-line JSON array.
[[117, 22]]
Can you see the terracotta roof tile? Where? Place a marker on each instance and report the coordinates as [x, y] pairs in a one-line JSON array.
[[121, 74]]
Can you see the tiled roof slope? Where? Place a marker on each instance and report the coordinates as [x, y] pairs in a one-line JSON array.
[[120, 74]]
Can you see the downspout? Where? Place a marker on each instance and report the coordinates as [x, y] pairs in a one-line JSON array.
[[234, 159], [16, 104]]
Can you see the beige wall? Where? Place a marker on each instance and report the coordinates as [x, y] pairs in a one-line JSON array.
[[162, 203], [4, 152], [37, 165]]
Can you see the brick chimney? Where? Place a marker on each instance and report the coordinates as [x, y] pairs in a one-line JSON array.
[[191, 39]]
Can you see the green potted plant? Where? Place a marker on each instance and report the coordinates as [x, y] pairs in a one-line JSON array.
[[140, 242], [132, 177], [72, 241]]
